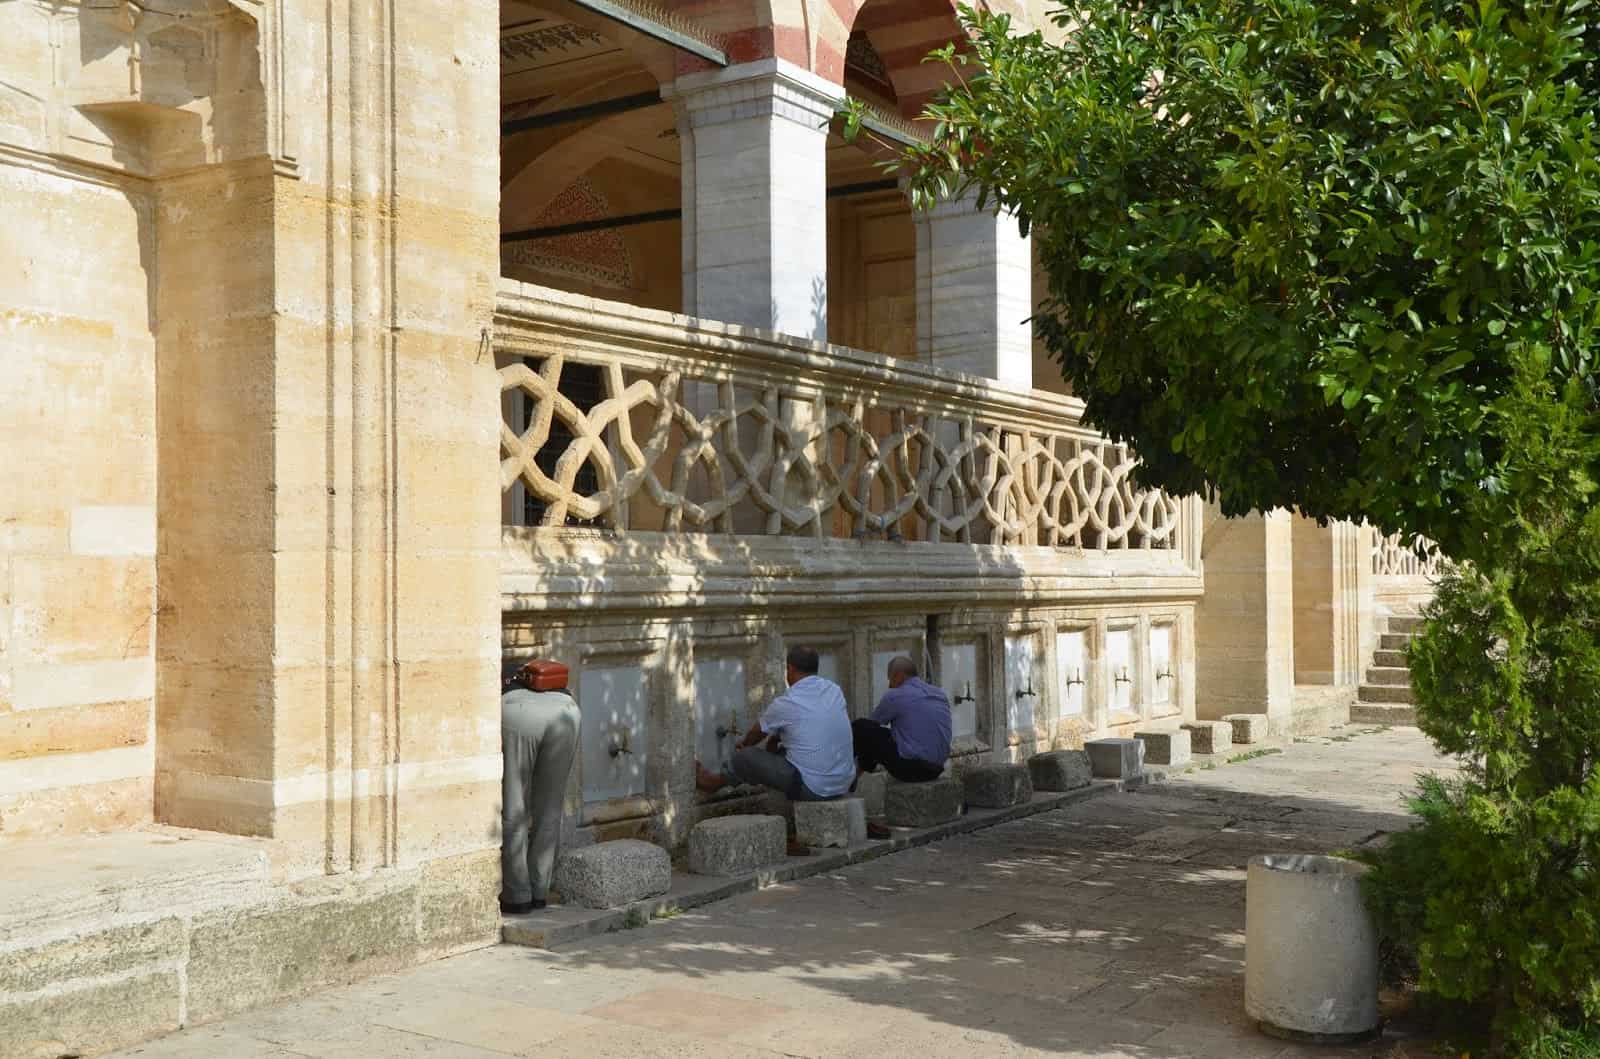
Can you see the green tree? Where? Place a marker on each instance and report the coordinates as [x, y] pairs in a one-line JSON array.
[[1343, 257], [1295, 250]]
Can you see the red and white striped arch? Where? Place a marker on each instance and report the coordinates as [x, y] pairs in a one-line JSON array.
[[813, 35]]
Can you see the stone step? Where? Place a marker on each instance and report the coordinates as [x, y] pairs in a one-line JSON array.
[[841, 823], [997, 786], [1390, 714], [1210, 737], [1116, 758], [733, 845], [922, 804], [1060, 770], [1394, 641], [1166, 748], [1385, 693], [1393, 676], [1405, 623], [58, 884], [613, 874], [1248, 727], [1389, 658], [869, 788]]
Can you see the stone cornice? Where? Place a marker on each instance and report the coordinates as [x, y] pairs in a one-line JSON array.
[[765, 88], [564, 570]]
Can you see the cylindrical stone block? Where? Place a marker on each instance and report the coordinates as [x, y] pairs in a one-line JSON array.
[[1311, 950]]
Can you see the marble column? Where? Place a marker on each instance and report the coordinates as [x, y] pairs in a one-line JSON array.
[[754, 140], [974, 293]]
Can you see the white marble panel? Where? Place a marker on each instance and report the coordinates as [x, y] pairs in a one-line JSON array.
[[720, 702], [614, 738], [828, 666], [1071, 670], [1120, 675], [1161, 664], [958, 670], [1023, 687]]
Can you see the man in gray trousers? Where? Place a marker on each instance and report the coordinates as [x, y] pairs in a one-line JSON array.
[[539, 736]]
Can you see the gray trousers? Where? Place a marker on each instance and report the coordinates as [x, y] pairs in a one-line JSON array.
[[758, 765], [539, 736]]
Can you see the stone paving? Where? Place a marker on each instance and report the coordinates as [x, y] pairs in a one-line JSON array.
[[1112, 929]]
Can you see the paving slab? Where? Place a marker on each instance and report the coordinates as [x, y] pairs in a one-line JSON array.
[[1095, 927]]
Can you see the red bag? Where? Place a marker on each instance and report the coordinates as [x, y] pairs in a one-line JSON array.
[[545, 675]]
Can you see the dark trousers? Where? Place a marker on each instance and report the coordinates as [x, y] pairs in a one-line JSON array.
[[875, 746]]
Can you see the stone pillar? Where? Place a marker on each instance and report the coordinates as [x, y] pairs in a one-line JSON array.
[[1329, 576], [974, 293], [754, 140], [1244, 625], [328, 516]]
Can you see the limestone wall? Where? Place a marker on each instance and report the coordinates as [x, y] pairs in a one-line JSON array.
[[78, 474], [248, 517]]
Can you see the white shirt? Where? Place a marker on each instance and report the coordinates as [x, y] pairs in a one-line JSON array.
[[814, 724]]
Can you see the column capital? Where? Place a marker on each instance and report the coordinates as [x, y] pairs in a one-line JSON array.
[[764, 88]]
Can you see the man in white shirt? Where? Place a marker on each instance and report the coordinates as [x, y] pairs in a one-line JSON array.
[[802, 745]]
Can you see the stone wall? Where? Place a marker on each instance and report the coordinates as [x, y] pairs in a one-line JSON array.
[[247, 553], [78, 482], [659, 689]]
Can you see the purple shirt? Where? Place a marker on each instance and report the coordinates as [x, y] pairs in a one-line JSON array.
[[919, 716]]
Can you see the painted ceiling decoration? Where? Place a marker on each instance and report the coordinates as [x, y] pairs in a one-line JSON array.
[[600, 257], [863, 60], [545, 42]]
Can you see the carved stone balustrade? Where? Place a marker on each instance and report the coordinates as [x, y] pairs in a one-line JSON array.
[[629, 425], [1400, 556]]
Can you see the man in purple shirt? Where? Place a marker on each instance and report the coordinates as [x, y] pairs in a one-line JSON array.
[[909, 733]]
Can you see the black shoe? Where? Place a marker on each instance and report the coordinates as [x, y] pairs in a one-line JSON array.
[[518, 908]]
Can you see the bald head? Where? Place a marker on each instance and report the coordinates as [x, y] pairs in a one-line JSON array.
[[901, 669]]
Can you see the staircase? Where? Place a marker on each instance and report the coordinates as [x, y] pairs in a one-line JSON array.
[[1386, 696]]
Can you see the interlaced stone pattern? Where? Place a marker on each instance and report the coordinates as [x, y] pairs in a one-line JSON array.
[[692, 447], [1401, 555]]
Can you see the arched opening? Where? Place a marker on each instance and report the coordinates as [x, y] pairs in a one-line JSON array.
[[872, 238], [591, 193]]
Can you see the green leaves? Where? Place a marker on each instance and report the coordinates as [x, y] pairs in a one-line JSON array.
[[1322, 231]]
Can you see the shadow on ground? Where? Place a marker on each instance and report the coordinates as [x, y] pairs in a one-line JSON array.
[[1112, 928]]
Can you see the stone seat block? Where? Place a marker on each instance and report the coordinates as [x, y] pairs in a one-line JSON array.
[[1060, 770], [733, 845], [1210, 737], [922, 804], [1248, 727], [841, 822], [1170, 748], [1115, 758], [997, 786], [613, 874], [869, 788]]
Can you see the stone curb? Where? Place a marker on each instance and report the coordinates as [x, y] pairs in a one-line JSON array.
[[564, 924]]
